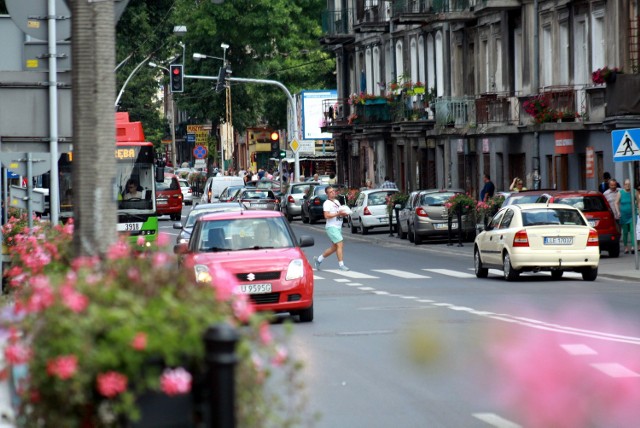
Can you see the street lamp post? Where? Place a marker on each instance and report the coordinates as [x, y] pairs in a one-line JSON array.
[[172, 123]]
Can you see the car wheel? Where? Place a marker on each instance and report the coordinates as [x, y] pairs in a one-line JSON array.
[[409, 233], [363, 230], [352, 227], [176, 217], [614, 250], [306, 315], [589, 274], [417, 239], [556, 274], [289, 217], [510, 274], [304, 218], [312, 220], [481, 272]]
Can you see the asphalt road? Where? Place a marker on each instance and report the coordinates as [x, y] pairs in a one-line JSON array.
[[409, 337]]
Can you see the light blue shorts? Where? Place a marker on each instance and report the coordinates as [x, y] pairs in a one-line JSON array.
[[335, 234]]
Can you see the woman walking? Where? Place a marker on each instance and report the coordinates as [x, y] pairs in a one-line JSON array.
[[623, 203]]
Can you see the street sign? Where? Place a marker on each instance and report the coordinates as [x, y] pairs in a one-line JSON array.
[[625, 145], [294, 145], [17, 162], [191, 138], [18, 198], [200, 152]]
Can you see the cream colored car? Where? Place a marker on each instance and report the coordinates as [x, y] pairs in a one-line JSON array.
[[538, 237]]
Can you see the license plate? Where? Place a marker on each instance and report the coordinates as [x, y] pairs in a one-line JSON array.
[[129, 227], [260, 206], [558, 240], [383, 219], [255, 288], [445, 225], [161, 201]]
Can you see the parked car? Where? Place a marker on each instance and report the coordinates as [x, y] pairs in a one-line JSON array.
[[311, 210], [370, 210], [523, 197], [187, 192], [258, 199], [169, 197], [273, 185], [229, 194], [198, 211], [291, 203], [215, 185], [429, 217], [596, 209], [260, 249], [405, 213], [536, 237]]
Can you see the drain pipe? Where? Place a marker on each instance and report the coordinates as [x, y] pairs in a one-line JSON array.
[[535, 83]]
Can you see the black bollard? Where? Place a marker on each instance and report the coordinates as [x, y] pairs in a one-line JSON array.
[[390, 222], [220, 357], [449, 224], [459, 215], [398, 231]]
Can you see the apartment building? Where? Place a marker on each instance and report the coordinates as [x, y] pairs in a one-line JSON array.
[[434, 93]]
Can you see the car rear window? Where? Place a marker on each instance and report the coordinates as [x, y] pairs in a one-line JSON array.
[[168, 184], [545, 216], [299, 189], [257, 194], [435, 199], [584, 203], [379, 198], [524, 199]]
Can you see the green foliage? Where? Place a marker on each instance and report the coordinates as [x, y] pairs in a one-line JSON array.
[[397, 198]]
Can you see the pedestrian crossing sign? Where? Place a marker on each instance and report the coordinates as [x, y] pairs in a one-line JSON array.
[[625, 145]]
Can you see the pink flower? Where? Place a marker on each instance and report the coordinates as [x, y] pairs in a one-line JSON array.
[[42, 295], [140, 241], [139, 342], [111, 384], [223, 281], [163, 239], [265, 333], [280, 357], [243, 307], [64, 367], [176, 381], [161, 259], [133, 274], [119, 250], [73, 300], [17, 353]]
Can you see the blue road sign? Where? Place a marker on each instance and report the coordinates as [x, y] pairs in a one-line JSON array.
[[191, 138], [200, 152], [625, 145]]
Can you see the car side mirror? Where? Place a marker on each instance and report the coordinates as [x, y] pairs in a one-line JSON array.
[[306, 241], [177, 225]]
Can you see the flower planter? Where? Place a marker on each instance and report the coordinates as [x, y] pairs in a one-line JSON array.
[[611, 78], [418, 90]]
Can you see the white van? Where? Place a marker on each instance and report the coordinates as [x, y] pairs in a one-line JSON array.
[[215, 185]]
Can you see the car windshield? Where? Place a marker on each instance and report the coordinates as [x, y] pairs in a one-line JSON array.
[[167, 184], [435, 199], [300, 189], [523, 199], [584, 203], [244, 234], [545, 216], [378, 198]]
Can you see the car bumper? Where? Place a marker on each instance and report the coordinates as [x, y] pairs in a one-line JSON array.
[[286, 296], [316, 212], [567, 259], [169, 210], [292, 209], [376, 221], [429, 227]]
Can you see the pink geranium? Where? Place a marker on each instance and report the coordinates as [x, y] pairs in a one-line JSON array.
[[73, 300], [17, 353], [63, 367], [139, 341], [176, 381], [111, 384], [265, 333], [243, 308]]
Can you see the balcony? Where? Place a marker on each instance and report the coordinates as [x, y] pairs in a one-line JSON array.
[[337, 26], [455, 112], [373, 19], [497, 5], [552, 104], [621, 96], [493, 109]]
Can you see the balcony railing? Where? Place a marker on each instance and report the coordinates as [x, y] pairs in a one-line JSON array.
[[493, 108], [337, 21], [444, 6], [552, 104], [412, 6], [457, 112]]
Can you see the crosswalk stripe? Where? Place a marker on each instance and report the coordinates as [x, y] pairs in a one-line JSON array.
[[401, 274], [615, 370], [450, 272], [578, 349], [495, 420], [317, 277], [352, 274], [341, 280]]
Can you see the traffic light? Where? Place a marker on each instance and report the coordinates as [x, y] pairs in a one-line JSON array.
[[223, 75], [176, 78], [283, 154], [274, 137]]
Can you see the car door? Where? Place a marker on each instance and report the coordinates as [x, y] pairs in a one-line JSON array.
[[488, 240], [356, 212]]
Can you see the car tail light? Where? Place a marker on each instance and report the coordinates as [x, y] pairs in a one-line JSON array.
[[592, 240], [420, 212], [316, 201], [290, 199], [366, 211], [189, 190], [209, 195], [521, 239]]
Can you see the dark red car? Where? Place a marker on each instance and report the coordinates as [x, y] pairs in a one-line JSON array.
[[596, 209], [169, 197]]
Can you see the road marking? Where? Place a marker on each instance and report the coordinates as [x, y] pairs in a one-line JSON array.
[[365, 288], [495, 420], [401, 274], [353, 284], [408, 297], [450, 272], [381, 293], [352, 274], [615, 370], [317, 277], [578, 349], [342, 280]]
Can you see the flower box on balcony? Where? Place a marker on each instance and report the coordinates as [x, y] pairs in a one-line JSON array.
[[622, 97], [418, 90]]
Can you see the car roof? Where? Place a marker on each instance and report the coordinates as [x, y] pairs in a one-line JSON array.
[[211, 205], [170, 175], [249, 214], [573, 192], [447, 190], [537, 206], [367, 191]]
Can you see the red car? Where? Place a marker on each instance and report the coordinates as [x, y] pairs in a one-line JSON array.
[[261, 251], [596, 209], [169, 197]]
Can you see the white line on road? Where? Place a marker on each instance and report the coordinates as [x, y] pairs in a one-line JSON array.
[[401, 274], [578, 349], [317, 277], [365, 288], [353, 284], [495, 420], [342, 280], [615, 370], [449, 272], [352, 274]]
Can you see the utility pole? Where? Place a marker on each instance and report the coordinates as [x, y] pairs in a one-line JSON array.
[[94, 130]]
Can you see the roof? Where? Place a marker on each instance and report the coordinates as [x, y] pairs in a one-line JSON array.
[[246, 214]]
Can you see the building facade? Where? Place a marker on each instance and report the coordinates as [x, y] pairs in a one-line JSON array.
[[435, 93]]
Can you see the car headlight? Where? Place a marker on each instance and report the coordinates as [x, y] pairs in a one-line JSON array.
[[202, 274], [183, 240], [295, 270]]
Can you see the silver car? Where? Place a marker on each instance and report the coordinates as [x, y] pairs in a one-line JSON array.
[[405, 214], [429, 217], [187, 193], [291, 203], [258, 199]]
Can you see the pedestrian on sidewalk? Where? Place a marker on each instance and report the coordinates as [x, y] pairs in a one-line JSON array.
[[612, 194], [333, 215], [623, 205], [488, 190], [388, 184]]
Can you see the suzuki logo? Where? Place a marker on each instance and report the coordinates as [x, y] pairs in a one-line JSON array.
[[251, 277]]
